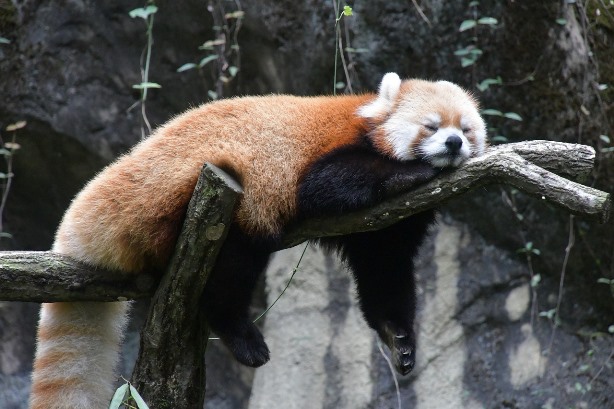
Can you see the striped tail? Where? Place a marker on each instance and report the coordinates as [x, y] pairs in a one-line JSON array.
[[76, 354]]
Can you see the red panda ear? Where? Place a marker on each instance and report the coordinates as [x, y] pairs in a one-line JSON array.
[[388, 91], [389, 87]]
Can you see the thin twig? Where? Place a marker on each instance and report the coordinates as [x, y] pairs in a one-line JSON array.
[[9, 178], [392, 372], [282, 292], [287, 284], [602, 366], [570, 243], [419, 9]]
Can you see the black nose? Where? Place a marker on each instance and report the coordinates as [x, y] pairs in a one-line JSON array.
[[454, 143]]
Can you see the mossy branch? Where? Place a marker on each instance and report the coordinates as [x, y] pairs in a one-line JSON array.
[[531, 167], [170, 370]]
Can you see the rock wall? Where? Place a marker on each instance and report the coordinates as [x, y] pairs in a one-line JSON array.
[[69, 71], [479, 344]]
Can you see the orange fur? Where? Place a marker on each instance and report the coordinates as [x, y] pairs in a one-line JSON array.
[[128, 216]]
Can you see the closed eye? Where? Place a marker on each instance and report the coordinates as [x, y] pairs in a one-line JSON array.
[[432, 128], [465, 130]]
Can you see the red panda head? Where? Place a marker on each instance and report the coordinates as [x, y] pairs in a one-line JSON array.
[[435, 121]]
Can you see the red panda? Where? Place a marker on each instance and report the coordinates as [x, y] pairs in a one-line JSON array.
[[296, 157]]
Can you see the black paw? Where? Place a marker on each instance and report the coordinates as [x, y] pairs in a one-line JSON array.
[[403, 353], [246, 344], [402, 344], [414, 174]]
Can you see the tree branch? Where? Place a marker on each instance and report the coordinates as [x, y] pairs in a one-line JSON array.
[[169, 370], [44, 276], [516, 164], [528, 166]]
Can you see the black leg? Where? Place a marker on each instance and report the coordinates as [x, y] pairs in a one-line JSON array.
[[382, 264], [228, 294], [355, 177]]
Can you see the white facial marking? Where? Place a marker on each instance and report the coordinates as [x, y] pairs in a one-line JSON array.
[[399, 134], [477, 127], [433, 119], [388, 91]]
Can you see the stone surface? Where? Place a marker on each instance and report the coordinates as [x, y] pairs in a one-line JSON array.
[[69, 71]]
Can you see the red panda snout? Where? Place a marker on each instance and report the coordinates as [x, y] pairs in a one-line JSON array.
[[454, 143], [446, 147]]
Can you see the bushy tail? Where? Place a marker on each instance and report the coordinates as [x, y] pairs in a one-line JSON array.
[[76, 354]]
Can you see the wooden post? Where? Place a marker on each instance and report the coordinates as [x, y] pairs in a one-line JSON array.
[[170, 370]]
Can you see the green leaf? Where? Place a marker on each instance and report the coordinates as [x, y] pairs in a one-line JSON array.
[[232, 70], [340, 85], [207, 60], [561, 21], [602, 87], [4, 40], [605, 138], [535, 280], [492, 112], [118, 397], [137, 398], [347, 11], [485, 84], [461, 52], [611, 329], [17, 125], [143, 12], [212, 94], [584, 368], [605, 281], [186, 67], [548, 314], [235, 14], [513, 115], [466, 62], [208, 45], [467, 24], [499, 138], [146, 85], [5, 235], [474, 3], [489, 21], [356, 50]]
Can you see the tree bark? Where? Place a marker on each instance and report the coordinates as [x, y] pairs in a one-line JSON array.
[[170, 368], [45, 276], [528, 166]]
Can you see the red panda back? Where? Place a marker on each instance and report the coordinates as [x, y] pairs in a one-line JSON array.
[[129, 216]]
